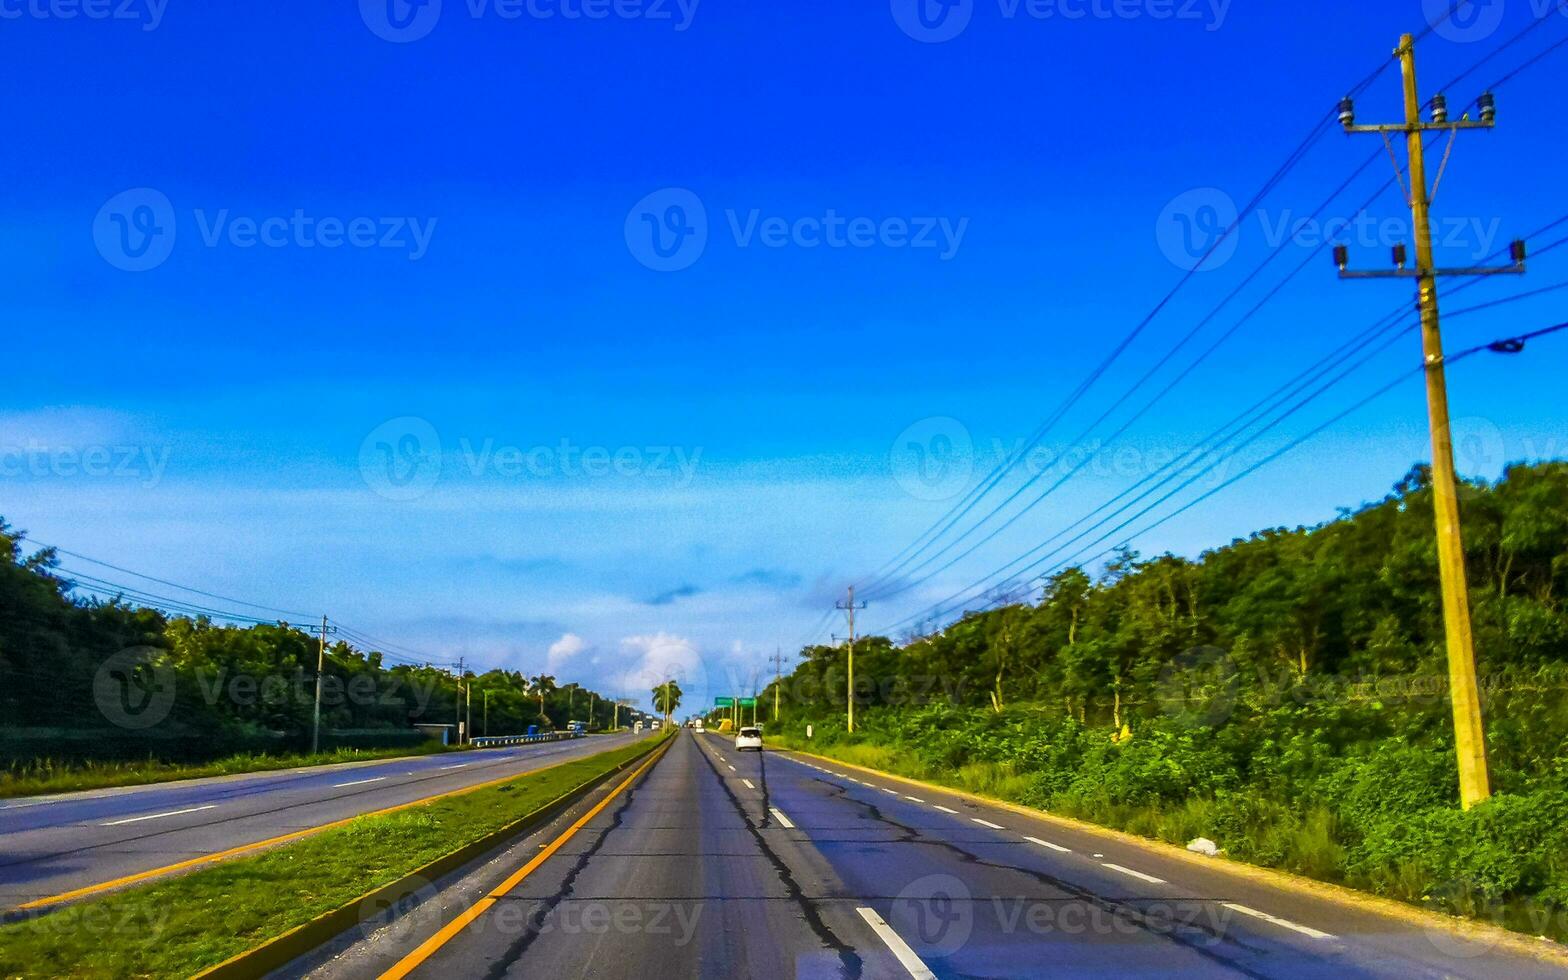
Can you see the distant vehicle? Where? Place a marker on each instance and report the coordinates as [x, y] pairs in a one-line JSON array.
[[748, 738], [533, 729], [576, 727], [697, 726]]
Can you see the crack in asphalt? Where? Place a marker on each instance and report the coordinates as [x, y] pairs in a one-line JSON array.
[[912, 835], [514, 952], [853, 964]]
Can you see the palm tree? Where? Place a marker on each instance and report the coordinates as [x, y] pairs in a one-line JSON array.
[[543, 684], [666, 698]]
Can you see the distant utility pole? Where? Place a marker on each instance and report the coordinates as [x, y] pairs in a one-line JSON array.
[[458, 721], [1469, 735], [486, 693], [778, 680], [849, 609], [321, 664]]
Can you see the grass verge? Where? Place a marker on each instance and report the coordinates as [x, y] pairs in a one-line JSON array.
[[52, 776], [178, 927]]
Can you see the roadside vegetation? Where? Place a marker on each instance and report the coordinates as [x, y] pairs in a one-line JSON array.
[[89, 677], [179, 926], [1284, 696]]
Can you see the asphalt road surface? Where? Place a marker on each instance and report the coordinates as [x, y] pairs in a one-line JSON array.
[[720, 864], [54, 845]]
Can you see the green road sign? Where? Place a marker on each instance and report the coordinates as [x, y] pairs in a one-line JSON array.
[[724, 702], [748, 702]]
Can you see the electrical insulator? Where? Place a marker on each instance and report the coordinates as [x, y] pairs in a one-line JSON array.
[[1400, 256], [1488, 104], [1440, 109], [1347, 112], [1517, 251], [1341, 257]]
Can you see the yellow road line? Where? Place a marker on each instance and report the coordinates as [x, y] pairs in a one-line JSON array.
[[428, 948], [232, 852]]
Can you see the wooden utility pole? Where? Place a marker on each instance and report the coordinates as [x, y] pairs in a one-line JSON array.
[[321, 664], [1469, 732], [778, 680], [849, 609]]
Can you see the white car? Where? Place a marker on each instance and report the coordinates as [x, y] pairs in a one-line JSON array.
[[748, 738]]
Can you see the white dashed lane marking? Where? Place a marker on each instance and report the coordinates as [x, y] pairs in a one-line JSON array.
[[1136, 874], [986, 823], [155, 816], [748, 784], [781, 818], [358, 782], [1276, 920], [943, 808], [1046, 843], [906, 956]]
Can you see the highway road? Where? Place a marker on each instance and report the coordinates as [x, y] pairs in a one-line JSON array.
[[718, 864], [57, 845]]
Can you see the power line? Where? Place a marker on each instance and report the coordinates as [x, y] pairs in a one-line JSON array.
[[1241, 422], [887, 592]]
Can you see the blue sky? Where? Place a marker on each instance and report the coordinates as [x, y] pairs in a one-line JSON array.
[[315, 309]]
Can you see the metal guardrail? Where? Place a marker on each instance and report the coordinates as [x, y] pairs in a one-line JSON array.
[[486, 741]]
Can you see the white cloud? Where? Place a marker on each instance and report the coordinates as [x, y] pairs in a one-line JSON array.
[[653, 658], [563, 650]]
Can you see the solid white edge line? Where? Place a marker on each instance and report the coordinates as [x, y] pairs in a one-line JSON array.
[[986, 823], [155, 816], [748, 784], [1046, 843], [781, 818], [943, 808], [1276, 920], [1136, 874], [358, 782], [895, 942]]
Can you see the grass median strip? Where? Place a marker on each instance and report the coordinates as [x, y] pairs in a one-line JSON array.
[[179, 926]]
